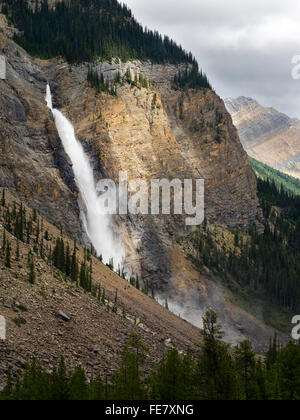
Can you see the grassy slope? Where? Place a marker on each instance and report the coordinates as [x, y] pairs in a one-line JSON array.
[[264, 171]]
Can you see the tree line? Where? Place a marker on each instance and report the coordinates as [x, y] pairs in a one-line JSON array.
[[282, 180], [85, 30], [218, 372], [191, 79]]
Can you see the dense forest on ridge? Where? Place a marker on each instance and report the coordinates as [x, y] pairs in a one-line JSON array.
[[85, 30]]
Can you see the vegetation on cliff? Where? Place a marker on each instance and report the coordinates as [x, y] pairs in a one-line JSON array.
[[191, 79], [267, 263]]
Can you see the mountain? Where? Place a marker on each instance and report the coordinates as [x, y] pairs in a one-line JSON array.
[[154, 119], [267, 135]]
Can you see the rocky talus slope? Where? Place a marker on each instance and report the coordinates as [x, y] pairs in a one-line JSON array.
[[55, 317], [267, 135], [150, 133]]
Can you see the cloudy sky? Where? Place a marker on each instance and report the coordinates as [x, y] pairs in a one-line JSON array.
[[245, 46]]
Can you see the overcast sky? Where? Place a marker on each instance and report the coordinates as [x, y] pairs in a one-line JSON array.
[[245, 46]]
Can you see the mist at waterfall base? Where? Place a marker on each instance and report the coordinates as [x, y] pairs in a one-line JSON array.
[[98, 225]]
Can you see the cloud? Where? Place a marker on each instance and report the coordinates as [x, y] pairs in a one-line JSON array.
[[246, 47]]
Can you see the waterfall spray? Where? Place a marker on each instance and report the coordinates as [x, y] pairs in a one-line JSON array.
[[98, 226]]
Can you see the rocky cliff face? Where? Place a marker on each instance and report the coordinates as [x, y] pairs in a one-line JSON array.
[[267, 135], [150, 133], [163, 133], [32, 161]]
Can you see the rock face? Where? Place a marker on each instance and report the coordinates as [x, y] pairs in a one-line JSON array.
[[5, 27], [32, 161], [163, 133], [150, 133], [267, 135]]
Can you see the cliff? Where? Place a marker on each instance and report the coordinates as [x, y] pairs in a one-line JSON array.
[[32, 161], [154, 132], [267, 135], [163, 133]]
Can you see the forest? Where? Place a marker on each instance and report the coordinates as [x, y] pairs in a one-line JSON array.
[[267, 262], [217, 373], [265, 172], [86, 30]]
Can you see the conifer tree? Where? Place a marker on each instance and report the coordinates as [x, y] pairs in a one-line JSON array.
[[127, 383], [31, 274], [78, 389], [245, 359], [3, 201], [8, 255]]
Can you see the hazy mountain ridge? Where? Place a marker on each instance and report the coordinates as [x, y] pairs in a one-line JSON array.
[[267, 135], [263, 171]]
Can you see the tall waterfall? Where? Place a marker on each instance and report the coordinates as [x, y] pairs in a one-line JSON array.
[[98, 226]]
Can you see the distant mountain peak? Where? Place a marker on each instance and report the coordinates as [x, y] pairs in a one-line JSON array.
[[267, 134]]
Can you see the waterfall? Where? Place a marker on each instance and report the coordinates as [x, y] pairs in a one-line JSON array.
[[98, 226]]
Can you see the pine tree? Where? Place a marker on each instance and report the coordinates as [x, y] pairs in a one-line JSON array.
[[3, 201], [31, 274], [78, 389], [217, 377], [60, 387], [18, 251], [127, 383], [4, 242], [245, 359], [96, 390], [8, 255], [74, 267]]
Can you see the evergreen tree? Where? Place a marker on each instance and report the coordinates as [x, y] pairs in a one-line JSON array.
[[60, 386], [217, 377], [78, 389], [127, 383], [245, 358], [8, 255], [167, 383], [3, 202]]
